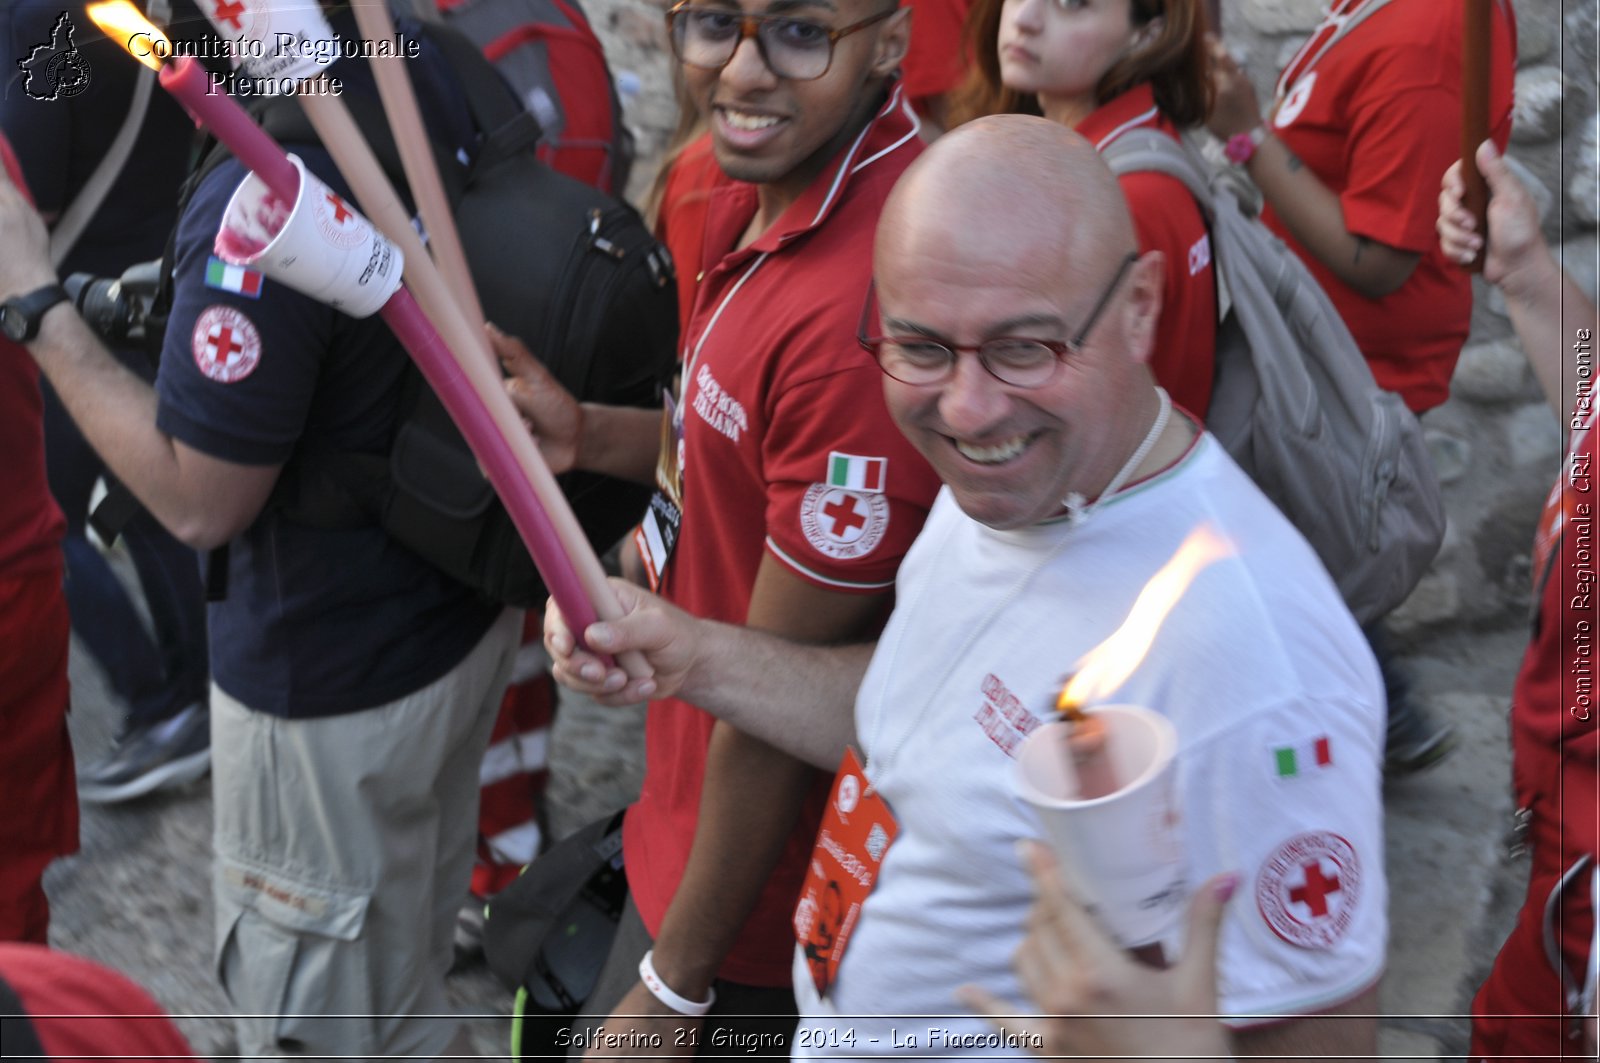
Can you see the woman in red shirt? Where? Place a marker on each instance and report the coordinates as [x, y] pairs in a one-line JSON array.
[[1104, 67], [1364, 118]]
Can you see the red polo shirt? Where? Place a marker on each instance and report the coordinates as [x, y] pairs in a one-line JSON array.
[[1555, 767], [35, 750], [1167, 219], [1553, 715], [1378, 118], [31, 524], [788, 452]]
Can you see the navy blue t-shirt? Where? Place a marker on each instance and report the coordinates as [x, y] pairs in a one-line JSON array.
[[315, 622]]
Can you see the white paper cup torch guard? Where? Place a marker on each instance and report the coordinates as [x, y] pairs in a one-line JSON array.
[[323, 248], [1123, 855]]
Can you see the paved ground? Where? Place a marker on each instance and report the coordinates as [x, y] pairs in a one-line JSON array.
[[137, 896]]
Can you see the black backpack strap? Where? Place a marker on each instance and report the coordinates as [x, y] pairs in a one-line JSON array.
[[115, 511], [507, 126]]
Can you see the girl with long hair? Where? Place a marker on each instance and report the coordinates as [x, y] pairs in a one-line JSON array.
[[1104, 67]]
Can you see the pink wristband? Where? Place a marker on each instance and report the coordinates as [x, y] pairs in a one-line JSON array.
[[1241, 147]]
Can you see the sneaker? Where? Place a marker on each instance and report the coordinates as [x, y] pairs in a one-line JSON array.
[[168, 753], [1414, 741]]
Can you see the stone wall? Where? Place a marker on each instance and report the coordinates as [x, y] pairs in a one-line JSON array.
[[1495, 443]]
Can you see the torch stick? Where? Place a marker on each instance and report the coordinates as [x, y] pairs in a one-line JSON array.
[[489, 422], [463, 336], [1475, 27], [450, 375], [405, 122], [377, 197]]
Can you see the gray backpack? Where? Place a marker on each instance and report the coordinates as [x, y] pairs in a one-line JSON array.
[[1295, 404]]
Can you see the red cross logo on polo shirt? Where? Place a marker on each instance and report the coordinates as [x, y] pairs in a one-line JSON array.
[[845, 512], [221, 345], [229, 11], [842, 523], [1314, 893], [341, 213]]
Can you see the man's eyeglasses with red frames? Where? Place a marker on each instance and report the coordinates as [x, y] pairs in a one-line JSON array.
[[793, 48], [1019, 361]]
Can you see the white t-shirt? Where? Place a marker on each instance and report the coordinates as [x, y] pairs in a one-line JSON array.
[[1279, 711]]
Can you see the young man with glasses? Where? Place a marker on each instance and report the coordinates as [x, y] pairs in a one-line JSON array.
[[1070, 482], [785, 497]]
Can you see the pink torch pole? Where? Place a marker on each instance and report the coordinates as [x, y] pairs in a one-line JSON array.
[[402, 314], [185, 79]]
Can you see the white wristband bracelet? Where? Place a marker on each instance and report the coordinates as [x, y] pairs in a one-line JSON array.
[[663, 992]]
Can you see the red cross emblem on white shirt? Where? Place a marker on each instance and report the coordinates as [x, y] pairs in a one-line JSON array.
[[1316, 889]]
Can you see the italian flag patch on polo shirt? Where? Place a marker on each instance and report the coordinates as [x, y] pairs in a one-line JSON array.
[[856, 473]]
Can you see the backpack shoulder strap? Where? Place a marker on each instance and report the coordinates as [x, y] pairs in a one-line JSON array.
[[508, 127], [69, 227], [1152, 151]]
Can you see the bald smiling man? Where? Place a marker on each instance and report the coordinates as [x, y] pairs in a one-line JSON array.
[[1013, 319]]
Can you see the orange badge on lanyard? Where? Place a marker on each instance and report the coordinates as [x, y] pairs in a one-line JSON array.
[[857, 829]]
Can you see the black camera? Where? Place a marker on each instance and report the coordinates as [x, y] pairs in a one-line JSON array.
[[121, 310]]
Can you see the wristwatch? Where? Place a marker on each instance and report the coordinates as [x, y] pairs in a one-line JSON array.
[[21, 314], [1241, 147]]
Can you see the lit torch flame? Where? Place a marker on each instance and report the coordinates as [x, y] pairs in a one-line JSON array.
[[121, 21], [1109, 664]]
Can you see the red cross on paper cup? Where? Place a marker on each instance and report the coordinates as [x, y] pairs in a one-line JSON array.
[[339, 225], [272, 39], [341, 213], [230, 13]]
